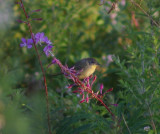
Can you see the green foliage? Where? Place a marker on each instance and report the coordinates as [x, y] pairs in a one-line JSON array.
[[140, 80], [81, 29]]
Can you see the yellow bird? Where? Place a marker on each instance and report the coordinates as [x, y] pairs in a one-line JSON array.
[[85, 67]]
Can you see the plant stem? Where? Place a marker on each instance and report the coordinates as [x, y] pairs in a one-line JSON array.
[[126, 124], [152, 121], [43, 72], [137, 5]]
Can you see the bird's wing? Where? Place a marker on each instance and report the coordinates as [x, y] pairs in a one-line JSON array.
[[80, 65]]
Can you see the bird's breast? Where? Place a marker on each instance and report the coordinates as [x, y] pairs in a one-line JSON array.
[[87, 71]]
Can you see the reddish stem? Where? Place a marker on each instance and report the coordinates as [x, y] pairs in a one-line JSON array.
[[43, 72], [88, 89]]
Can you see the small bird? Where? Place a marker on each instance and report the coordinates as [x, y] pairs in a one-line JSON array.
[[85, 67]]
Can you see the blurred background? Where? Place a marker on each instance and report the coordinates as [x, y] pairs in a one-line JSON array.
[[78, 29]]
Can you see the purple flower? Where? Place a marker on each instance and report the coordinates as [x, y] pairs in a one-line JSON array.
[[47, 50], [87, 99], [82, 101], [114, 105], [94, 79], [101, 88], [54, 61], [47, 41], [40, 38], [109, 90], [27, 43], [70, 86], [24, 42]]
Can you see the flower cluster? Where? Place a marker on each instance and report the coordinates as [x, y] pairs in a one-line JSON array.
[[84, 88], [38, 38]]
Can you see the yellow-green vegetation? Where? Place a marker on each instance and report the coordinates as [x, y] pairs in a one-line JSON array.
[[125, 42]]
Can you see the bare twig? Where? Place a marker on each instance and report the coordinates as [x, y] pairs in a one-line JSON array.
[[126, 124], [113, 7], [137, 5]]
